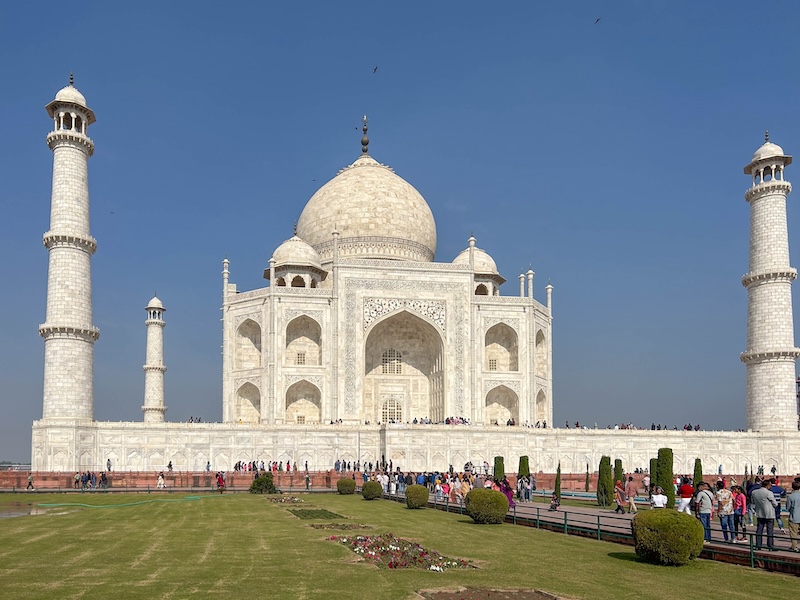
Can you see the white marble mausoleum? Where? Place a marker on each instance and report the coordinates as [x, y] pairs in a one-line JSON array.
[[362, 345]]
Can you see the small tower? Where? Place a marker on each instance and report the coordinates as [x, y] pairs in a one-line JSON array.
[[771, 354], [154, 368], [68, 332]]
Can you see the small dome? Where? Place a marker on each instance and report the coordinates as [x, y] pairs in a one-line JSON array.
[[483, 262], [768, 150], [70, 94], [295, 252], [377, 214], [155, 303]]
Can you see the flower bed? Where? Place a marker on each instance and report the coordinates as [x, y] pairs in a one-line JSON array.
[[287, 500], [390, 552], [340, 526]]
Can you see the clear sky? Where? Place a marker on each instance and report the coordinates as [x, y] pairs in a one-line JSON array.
[[606, 154]]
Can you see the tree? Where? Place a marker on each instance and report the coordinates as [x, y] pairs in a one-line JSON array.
[[524, 467], [653, 471], [586, 485], [605, 485], [665, 476], [499, 468], [558, 481], [744, 481], [698, 472], [619, 474]]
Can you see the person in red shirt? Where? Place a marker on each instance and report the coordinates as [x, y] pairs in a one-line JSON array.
[[685, 493]]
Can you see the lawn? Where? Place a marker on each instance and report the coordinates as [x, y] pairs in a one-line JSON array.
[[243, 546]]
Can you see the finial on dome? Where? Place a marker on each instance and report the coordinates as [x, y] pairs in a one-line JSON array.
[[71, 79], [365, 139], [766, 136], [295, 228]]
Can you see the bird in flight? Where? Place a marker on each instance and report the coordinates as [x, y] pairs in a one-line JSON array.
[[375, 70], [597, 20]]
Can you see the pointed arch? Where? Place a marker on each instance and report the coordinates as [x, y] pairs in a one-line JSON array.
[[501, 349], [248, 345], [404, 358], [303, 403], [541, 354], [303, 342], [540, 410], [248, 404], [482, 290], [298, 281], [502, 404]]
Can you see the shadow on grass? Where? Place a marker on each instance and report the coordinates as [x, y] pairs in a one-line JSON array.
[[627, 556]]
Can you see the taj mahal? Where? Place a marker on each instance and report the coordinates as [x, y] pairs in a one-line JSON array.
[[363, 347]]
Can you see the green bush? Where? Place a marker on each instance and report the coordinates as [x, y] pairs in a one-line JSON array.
[[416, 496], [698, 472], [619, 474], [524, 466], [605, 485], [665, 477], [372, 490], [586, 484], [653, 471], [557, 486], [346, 486], [499, 468], [667, 537], [486, 506], [263, 484]]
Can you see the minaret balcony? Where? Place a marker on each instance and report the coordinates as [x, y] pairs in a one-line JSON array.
[[54, 138], [757, 356], [782, 275], [768, 187], [86, 333], [54, 240]]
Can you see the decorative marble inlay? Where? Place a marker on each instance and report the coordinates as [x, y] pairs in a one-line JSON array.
[[313, 379], [239, 319], [490, 384], [374, 308], [294, 313], [490, 322]]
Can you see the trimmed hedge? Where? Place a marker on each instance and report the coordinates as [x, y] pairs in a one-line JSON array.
[[263, 484], [619, 473], [524, 466], [486, 506], [346, 486], [372, 490], [665, 477], [698, 472], [667, 537], [499, 468], [416, 496], [557, 486], [605, 485]]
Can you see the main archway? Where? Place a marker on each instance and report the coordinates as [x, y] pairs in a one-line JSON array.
[[404, 370]]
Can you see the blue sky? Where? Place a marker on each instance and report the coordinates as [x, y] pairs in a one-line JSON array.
[[606, 155]]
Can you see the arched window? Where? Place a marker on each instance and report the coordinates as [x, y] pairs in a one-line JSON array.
[[392, 362], [541, 354], [281, 282], [392, 411], [481, 290], [298, 281]]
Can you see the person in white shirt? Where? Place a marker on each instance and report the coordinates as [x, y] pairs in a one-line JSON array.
[[658, 499]]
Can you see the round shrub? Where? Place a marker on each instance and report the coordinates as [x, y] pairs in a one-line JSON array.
[[346, 486], [264, 484], [667, 537], [416, 496], [372, 490], [486, 506]]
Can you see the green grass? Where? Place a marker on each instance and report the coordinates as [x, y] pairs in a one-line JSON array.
[[242, 546]]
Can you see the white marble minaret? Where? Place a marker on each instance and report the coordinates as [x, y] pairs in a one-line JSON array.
[[154, 368], [68, 333], [771, 354]]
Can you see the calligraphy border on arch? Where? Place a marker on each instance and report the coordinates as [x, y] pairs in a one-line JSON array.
[[312, 379], [435, 310], [460, 309], [490, 384], [292, 313]]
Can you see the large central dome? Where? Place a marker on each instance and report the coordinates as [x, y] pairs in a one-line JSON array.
[[377, 214]]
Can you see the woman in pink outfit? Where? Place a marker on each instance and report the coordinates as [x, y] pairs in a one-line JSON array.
[[739, 511]]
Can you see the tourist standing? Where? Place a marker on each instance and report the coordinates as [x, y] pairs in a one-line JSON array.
[[685, 494], [763, 502], [160, 481], [658, 499], [793, 508], [620, 498], [724, 499], [779, 493], [704, 500], [646, 484], [739, 511], [631, 489]]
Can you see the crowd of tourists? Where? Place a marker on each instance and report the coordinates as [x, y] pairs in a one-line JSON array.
[[87, 480]]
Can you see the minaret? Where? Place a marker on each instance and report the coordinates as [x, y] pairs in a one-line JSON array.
[[68, 332], [154, 368], [771, 354]]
